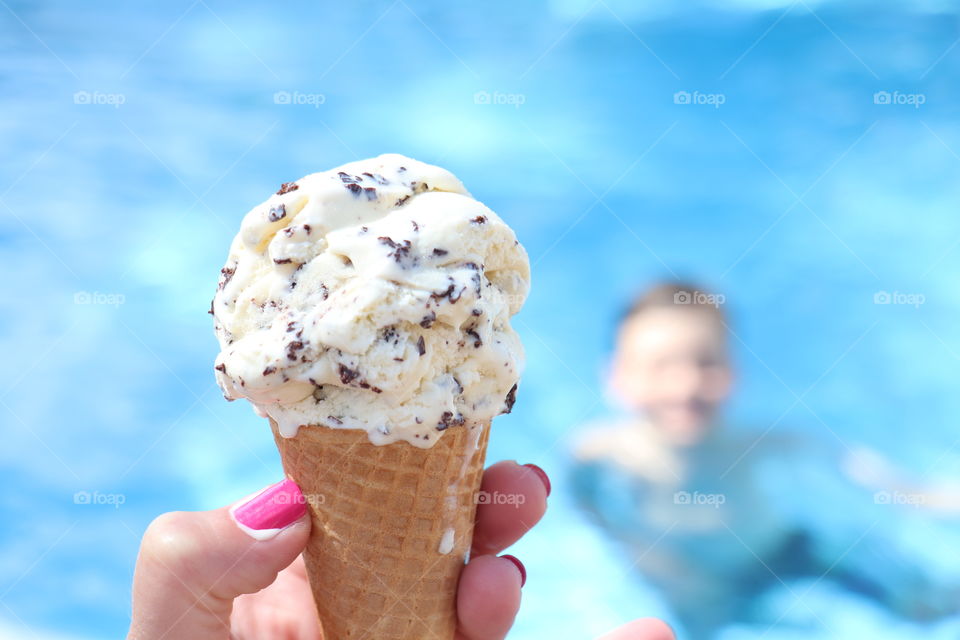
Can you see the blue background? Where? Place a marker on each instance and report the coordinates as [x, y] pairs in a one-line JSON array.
[[799, 198]]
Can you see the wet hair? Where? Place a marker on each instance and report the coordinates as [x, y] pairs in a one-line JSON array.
[[683, 296]]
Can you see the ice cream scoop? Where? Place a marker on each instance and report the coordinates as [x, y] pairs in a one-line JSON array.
[[374, 296]]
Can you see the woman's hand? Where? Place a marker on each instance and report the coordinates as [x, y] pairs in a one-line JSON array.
[[200, 575]]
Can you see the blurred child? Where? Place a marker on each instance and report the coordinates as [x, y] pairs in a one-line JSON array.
[[668, 479]]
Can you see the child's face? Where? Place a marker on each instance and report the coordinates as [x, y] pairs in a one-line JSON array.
[[672, 365]]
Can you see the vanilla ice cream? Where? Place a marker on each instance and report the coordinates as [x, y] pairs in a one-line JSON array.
[[374, 296]]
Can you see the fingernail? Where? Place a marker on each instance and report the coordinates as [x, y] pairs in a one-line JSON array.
[[523, 570], [269, 512], [542, 475]]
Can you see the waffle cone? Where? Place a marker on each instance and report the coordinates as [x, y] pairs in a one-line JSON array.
[[380, 517]]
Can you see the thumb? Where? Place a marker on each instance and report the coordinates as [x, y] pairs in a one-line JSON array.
[[193, 564]]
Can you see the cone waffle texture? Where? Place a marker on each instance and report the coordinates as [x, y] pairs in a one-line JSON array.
[[381, 515]]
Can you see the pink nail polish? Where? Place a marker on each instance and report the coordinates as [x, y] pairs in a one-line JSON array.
[[267, 513], [523, 570], [542, 475]]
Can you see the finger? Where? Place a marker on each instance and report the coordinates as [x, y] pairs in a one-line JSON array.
[[282, 610], [513, 498], [488, 597], [642, 629], [193, 564]]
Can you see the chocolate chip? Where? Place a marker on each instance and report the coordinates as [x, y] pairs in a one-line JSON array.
[[370, 192], [421, 346], [306, 228], [476, 312], [364, 229], [291, 326], [447, 420], [416, 227], [379, 179], [283, 260], [211, 308], [278, 212], [401, 250], [354, 188], [510, 399], [479, 220], [348, 375], [334, 420], [222, 368], [428, 320], [346, 178], [402, 201], [477, 342], [269, 370], [226, 274], [439, 253], [401, 169], [292, 349], [287, 187]]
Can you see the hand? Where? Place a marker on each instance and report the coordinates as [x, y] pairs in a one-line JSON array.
[[200, 576]]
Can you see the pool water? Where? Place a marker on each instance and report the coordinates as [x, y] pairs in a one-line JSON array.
[[802, 158]]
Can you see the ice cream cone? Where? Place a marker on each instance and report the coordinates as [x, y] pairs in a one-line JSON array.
[[392, 526]]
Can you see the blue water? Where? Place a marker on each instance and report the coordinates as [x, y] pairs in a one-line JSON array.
[[798, 197]]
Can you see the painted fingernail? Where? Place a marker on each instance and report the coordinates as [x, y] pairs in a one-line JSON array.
[[542, 475], [523, 570], [269, 512]]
